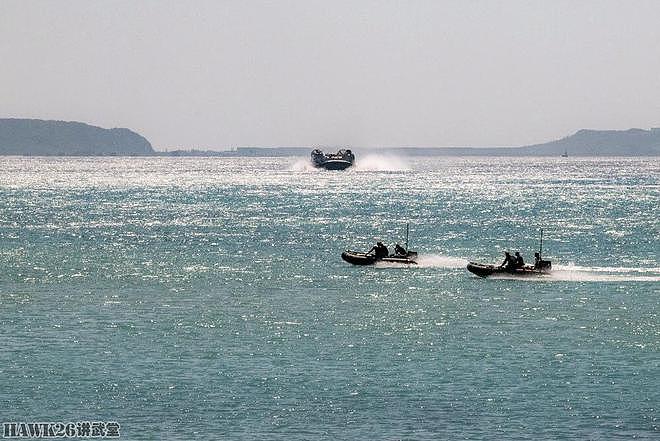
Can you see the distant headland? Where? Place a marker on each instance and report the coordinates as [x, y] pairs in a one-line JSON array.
[[34, 137], [67, 138], [631, 142]]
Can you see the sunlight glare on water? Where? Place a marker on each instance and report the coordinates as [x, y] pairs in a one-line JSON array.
[[208, 295]]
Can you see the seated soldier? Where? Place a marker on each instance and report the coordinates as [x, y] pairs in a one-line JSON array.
[[509, 261], [382, 250], [520, 263]]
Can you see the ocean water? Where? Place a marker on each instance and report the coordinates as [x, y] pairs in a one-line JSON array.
[[205, 298]]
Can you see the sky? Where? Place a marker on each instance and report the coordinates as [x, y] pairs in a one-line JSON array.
[[221, 74]]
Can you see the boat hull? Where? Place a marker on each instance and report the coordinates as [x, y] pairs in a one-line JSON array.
[[336, 164], [356, 258], [485, 270]]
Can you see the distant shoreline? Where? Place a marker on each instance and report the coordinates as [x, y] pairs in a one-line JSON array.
[[477, 152], [34, 137], [273, 152]]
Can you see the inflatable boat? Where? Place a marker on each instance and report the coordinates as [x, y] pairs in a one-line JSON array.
[[357, 258], [485, 270]]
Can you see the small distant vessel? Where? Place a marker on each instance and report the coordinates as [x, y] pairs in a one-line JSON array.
[[541, 267], [341, 160], [379, 253], [565, 154]]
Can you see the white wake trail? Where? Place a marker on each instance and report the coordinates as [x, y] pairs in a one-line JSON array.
[[302, 165], [429, 261], [440, 261], [375, 162], [577, 273]]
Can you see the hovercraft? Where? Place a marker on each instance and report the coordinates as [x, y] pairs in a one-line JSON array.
[[341, 160]]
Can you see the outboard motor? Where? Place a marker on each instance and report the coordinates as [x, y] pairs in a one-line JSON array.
[[540, 264], [545, 265]]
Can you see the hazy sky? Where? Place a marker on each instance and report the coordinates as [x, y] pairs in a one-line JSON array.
[[216, 74]]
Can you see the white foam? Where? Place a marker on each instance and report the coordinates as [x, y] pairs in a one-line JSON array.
[[575, 273], [440, 261], [302, 165], [429, 261], [596, 276], [375, 162], [604, 269]]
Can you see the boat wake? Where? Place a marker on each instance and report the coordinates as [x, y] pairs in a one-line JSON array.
[[576, 273], [303, 165], [429, 261], [375, 162], [607, 269], [440, 261], [559, 273]]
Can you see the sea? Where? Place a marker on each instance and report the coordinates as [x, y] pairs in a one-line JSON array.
[[205, 298]]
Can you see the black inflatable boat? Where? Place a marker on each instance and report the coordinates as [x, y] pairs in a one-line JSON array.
[[485, 270], [357, 258]]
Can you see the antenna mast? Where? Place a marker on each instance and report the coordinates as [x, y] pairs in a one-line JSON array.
[[407, 230]]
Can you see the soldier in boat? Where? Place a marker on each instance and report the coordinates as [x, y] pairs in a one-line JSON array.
[[509, 262], [520, 263], [380, 250]]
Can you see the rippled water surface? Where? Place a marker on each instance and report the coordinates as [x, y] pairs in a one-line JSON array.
[[205, 298]]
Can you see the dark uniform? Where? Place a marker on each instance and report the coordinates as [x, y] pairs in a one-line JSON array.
[[509, 261], [520, 263]]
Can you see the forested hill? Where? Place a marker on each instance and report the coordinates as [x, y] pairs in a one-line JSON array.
[[41, 137], [632, 142]]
